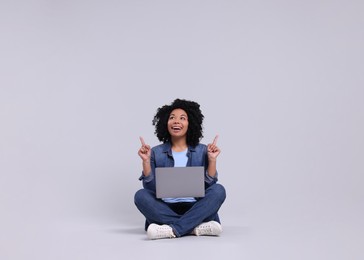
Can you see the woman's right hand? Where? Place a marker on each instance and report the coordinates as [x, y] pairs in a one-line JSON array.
[[144, 151]]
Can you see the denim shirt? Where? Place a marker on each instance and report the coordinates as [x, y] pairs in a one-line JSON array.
[[161, 156]]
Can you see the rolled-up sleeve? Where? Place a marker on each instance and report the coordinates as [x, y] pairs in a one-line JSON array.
[[146, 178], [210, 180]]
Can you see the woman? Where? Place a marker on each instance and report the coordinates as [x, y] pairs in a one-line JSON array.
[[179, 127]]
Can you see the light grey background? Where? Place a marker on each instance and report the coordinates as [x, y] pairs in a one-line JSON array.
[[281, 82]]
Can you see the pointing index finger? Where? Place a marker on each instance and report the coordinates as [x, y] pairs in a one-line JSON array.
[[215, 140], [142, 140]]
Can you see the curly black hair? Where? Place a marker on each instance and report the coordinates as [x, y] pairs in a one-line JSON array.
[[195, 119]]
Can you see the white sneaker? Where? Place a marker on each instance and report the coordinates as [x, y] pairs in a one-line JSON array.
[[155, 231], [211, 228]]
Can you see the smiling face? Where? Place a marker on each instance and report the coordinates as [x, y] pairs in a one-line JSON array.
[[178, 123]]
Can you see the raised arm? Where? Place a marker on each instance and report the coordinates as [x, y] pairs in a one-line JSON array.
[[212, 152], [145, 152]]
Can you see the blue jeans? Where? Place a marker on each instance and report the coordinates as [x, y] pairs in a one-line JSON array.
[[182, 217]]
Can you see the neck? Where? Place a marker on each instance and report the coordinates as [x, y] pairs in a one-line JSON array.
[[179, 144]]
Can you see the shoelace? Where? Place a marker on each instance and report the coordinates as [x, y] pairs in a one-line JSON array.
[[163, 232], [204, 229]]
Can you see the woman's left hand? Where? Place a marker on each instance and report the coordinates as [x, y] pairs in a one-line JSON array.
[[212, 150]]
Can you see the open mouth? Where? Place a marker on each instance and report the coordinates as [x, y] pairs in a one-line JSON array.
[[176, 128]]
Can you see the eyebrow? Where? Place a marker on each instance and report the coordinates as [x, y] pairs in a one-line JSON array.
[[180, 115]]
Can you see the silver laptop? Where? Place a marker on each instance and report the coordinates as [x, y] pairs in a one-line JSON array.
[[175, 182]]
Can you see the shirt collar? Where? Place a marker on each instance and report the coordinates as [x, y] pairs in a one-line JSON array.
[[167, 148]]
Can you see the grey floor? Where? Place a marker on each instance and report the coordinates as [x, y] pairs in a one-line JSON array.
[[84, 238]]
